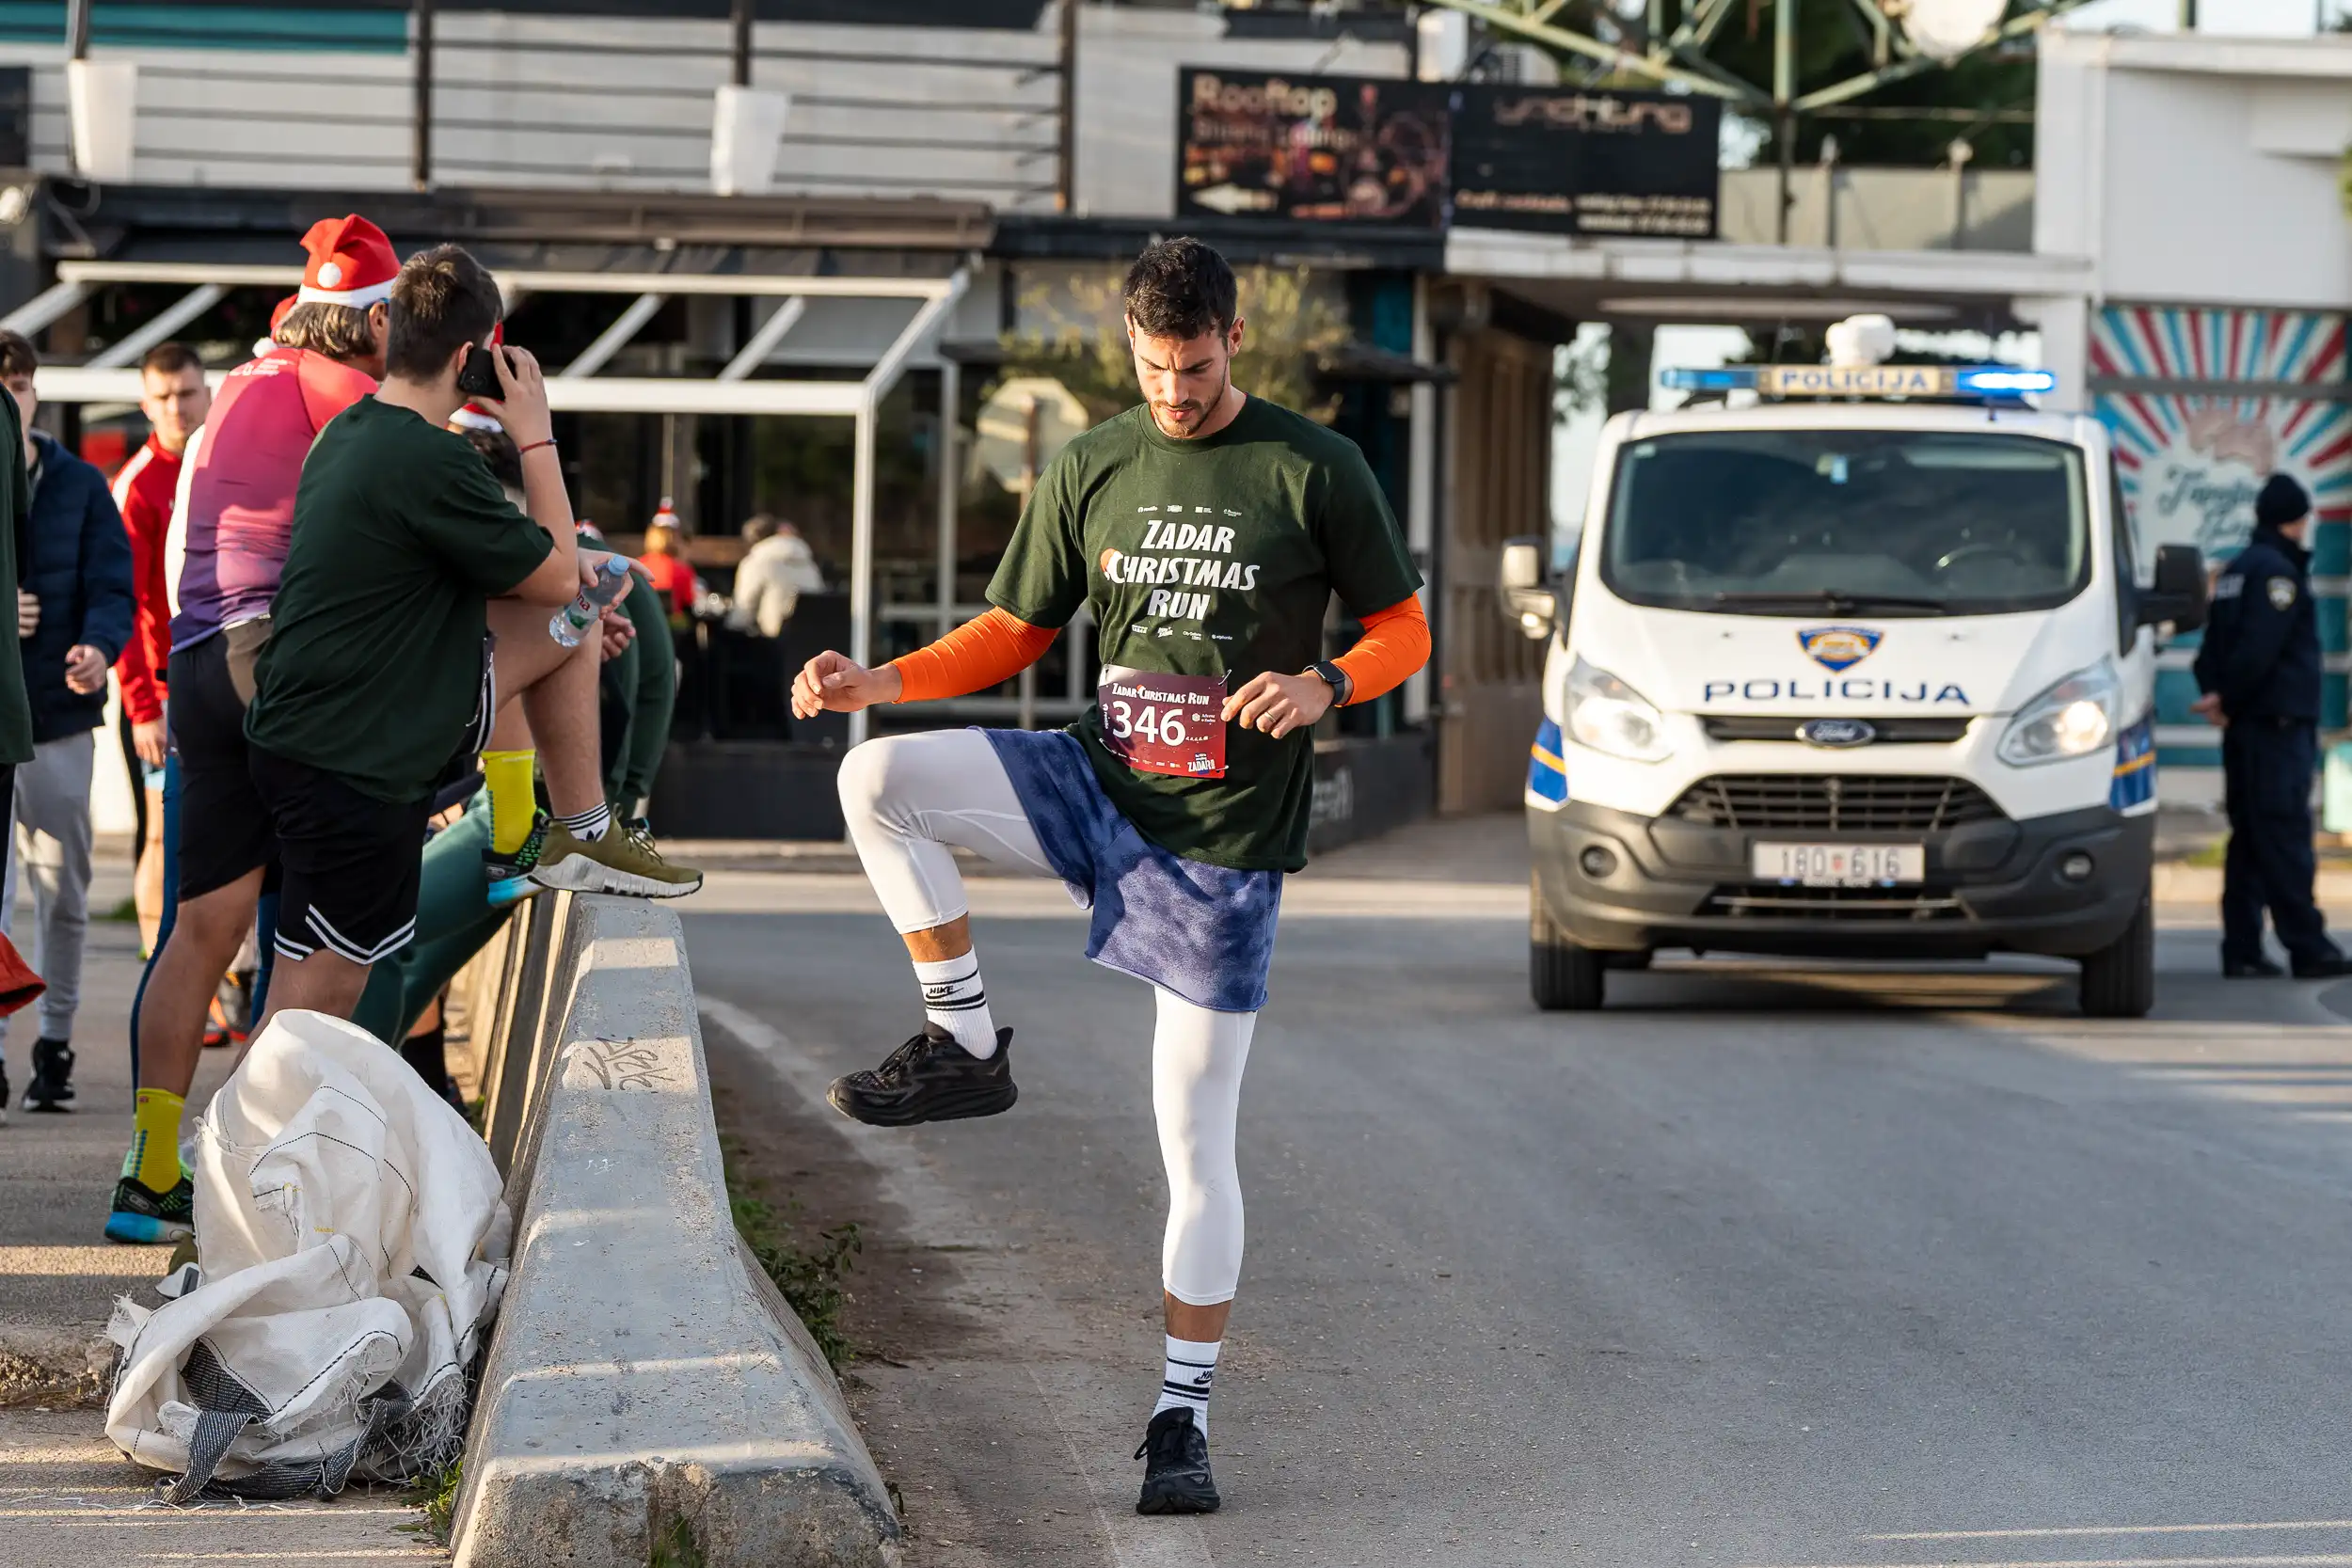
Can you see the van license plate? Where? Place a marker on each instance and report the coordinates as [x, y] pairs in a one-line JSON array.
[[1841, 864]]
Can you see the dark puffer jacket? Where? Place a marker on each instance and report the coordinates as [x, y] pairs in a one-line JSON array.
[[78, 564]]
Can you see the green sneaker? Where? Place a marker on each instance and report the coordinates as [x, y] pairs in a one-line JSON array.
[[145, 1217], [509, 875], [619, 863]]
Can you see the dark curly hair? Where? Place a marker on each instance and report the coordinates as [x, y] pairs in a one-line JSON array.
[[1179, 288]]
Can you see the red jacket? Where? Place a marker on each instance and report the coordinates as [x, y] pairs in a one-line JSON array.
[[143, 492], [675, 580]]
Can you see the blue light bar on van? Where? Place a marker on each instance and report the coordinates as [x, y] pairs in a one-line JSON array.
[[1862, 381], [1733, 378], [2001, 381]]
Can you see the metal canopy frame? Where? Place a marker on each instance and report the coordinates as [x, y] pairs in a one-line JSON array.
[[1651, 52], [108, 377]]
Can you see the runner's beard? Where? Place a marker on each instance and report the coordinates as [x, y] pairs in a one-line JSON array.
[[1161, 412]]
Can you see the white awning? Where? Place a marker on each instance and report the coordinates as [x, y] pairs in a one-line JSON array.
[[577, 388]]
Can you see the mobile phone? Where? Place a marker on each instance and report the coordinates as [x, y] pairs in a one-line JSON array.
[[478, 377]]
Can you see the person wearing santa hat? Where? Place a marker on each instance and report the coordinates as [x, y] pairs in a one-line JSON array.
[[236, 506]]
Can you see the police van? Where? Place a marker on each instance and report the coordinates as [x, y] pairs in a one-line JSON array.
[[1865, 668]]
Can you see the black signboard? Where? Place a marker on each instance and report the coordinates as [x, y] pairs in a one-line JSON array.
[[1317, 149], [1586, 160]]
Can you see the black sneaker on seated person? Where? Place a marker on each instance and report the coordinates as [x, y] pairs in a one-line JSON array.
[[2326, 967], [1176, 1478], [931, 1078]]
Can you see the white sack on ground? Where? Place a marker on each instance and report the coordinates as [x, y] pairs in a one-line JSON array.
[[353, 1243]]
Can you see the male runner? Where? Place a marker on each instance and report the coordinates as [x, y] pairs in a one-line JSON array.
[[1209, 530]]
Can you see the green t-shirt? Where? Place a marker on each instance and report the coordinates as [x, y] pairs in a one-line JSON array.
[[1218, 555], [374, 666]]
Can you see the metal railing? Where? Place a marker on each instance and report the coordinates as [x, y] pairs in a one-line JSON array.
[[622, 103]]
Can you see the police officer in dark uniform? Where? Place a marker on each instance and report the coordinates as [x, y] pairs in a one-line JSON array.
[[2259, 670]]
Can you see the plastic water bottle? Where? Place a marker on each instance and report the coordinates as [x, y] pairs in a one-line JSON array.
[[572, 622]]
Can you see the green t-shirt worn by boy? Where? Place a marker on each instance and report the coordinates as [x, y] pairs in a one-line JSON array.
[[374, 669], [1210, 557]]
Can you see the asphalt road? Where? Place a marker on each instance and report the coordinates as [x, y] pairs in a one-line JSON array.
[[1763, 1265]]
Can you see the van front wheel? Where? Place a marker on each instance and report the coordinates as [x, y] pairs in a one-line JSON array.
[[2119, 980], [1562, 976]]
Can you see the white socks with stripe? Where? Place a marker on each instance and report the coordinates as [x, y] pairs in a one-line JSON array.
[[954, 998], [1184, 1383], [588, 826]]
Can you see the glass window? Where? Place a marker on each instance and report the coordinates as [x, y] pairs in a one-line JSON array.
[[1771, 522]]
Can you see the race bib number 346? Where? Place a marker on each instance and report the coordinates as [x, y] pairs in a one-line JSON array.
[[1162, 724]]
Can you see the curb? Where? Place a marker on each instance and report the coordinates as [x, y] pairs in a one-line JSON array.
[[2175, 883], [646, 1391]]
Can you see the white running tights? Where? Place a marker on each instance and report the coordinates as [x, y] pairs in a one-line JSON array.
[[908, 798]]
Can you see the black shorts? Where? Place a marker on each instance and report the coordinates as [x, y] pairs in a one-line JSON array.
[[350, 862], [224, 831]]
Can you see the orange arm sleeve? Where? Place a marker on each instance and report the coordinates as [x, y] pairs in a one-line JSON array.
[[973, 657], [1394, 644]]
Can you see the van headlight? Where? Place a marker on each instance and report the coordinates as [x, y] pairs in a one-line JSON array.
[[2073, 719], [1609, 716]]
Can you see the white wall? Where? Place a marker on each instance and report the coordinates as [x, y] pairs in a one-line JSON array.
[[2198, 170]]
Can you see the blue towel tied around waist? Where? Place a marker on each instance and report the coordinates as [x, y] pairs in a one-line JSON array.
[[1206, 933]]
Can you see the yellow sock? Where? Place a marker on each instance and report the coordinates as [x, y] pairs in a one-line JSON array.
[[512, 804], [155, 1144]]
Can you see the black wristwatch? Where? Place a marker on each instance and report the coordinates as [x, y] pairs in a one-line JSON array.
[[1334, 677]]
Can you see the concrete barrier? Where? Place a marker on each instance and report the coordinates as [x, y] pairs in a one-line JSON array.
[[646, 1390]]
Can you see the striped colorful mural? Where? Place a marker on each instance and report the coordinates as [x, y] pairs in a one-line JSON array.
[[2190, 461]]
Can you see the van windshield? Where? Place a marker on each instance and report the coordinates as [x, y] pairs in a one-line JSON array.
[[1884, 522]]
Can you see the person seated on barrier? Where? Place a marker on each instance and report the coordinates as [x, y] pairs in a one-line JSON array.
[[457, 911], [416, 603], [639, 695], [635, 697]]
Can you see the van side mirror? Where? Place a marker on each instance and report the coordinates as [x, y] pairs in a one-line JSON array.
[[2178, 593], [1525, 598]]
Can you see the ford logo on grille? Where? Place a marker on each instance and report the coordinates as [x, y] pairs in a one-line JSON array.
[[1838, 733]]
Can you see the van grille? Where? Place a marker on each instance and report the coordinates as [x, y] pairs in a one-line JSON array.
[[1888, 731], [1844, 802], [1774, 900]]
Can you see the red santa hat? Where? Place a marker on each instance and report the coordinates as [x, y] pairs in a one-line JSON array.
[[474, 416], [269, 340], [350, 263]]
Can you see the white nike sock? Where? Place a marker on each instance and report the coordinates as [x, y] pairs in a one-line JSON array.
[[954, 998], [1185, 1382]]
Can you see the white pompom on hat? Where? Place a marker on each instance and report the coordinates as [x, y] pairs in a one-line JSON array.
[[350, 263]]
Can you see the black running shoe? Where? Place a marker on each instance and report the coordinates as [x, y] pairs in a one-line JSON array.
[[1176, 1479], [509, 875], [53, 1072], [145, 1217], [931, 1078]]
